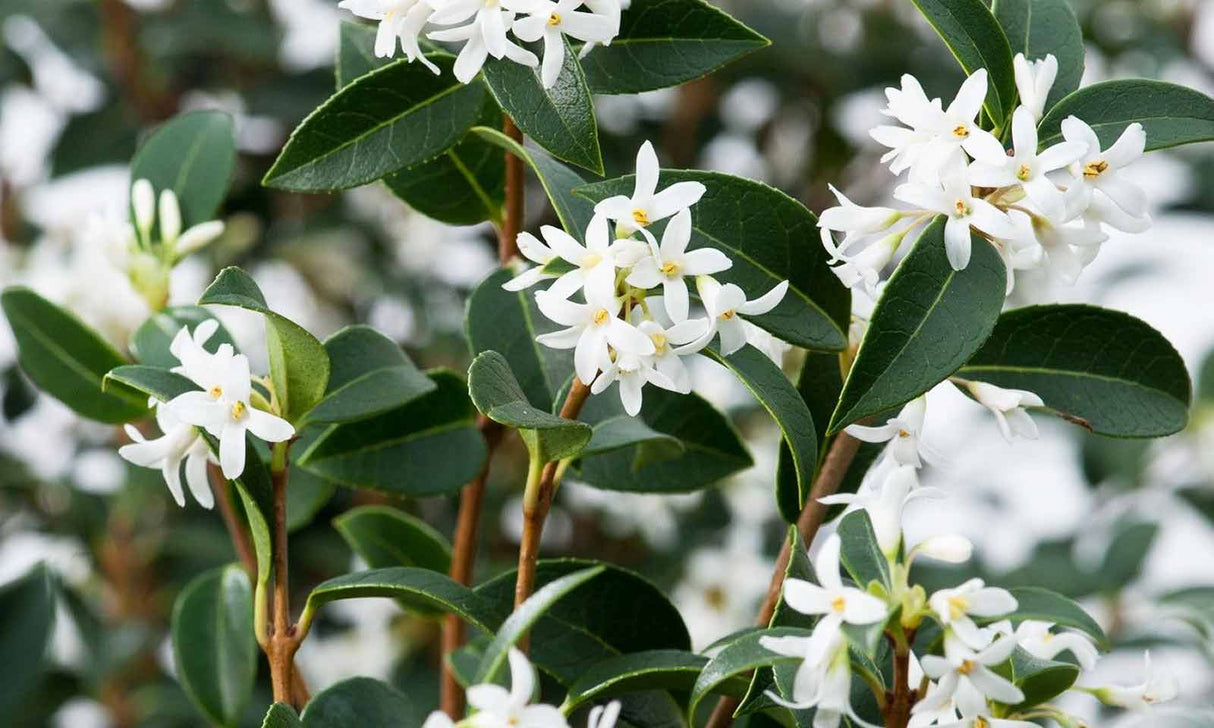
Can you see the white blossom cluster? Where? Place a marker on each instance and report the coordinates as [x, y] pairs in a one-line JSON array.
[[485, 27], [223, 407], [619, 328], [1042, 208]]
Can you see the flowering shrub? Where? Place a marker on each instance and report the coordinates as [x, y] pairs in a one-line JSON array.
[[1021, 169]]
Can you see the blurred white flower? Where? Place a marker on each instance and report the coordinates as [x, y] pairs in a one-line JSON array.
[[955, 608]]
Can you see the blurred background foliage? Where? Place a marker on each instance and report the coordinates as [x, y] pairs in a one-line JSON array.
[[1127, 527]]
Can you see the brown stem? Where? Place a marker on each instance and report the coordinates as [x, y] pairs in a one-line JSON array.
[[535, 509], [236, 529], [834, 467], [283, 642], [899, 702], [120, 42]]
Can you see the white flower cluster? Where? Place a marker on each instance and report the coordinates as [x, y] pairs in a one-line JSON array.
[[1038, 208], [497, 707], [223, 407], [618, 328], [484, 27]]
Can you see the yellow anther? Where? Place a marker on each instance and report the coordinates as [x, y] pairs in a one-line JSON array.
[[961, 131], [981, 722], [601, 316], [238, 410], [641, 217], [957, 607], [838, 604], [962, 208], [659, 340], [903, 433], [715, 596], [671, 269], [729, 314], [590, 260], [554, 19], [216, 392], [1092, 170], [967, 667], [1023, 173]]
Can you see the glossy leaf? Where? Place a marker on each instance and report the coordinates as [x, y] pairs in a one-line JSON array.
[[150, 342], [782, 401], [1171, 115], [385, 536], [299, 364], [929, 321], [975, 39], [674, 670], [412, 586], [738, 658], [711, 447], [507, 322], [356, 53], [1038, 28], [309, 493], [616, 433], [525, 615], [430, 446], [193, 155], [370, 375], [1045, 606], [770, 237], [1040, 680], [664, 43], [281, 715], [28, 606], [560, 119], [214, 650], [394, 117], [67, 359], [1104, 369], [254, 496], [497, 394], [859, 551], [819, 384], [359, 701]]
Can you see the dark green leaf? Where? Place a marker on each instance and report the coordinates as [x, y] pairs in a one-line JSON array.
[[281, 715], [1106, 369], [1171, 115], [423, 588], [191, 154], [665, 43], [1041, 680], [308, 494], [370, 375], [150, 342], [359, 701], [929, 321], [67, 359], [738, 658], [1038, 28], [497, 394], [975, 39], [859, 551], [559, 119], [1128, 550], [712, 448], [386, 120], [214, 650], [1046, 606], [430, 446], [819, 384], [508, 322], [771, 238], [299, 364], [385, 536], [674, 670], [782, 401], [1201, 499], [151, 381], [356, 53], [615, 433], [28, 606]]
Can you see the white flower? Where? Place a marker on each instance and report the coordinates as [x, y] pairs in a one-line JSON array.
[[632, 371], [848, 217], [966, 678], [611, 9], [646, 206], [955, 607], [536, 252], [949, 548], [604, 716], [178, 443], [497, 707], [1028, 168], [595, 262], [884, 504], [1034, 80], [1036, 638], [671, 342], [954, 197], [824, 682], [984, 720], [399, 20], [1008, 407], [553, 20], [1097, 170], [143, 202], [724, 303], [903, 433], [484, 36], [1064, 249], [669, 264], [1099, 209], [224, 410], [910, 106], [1158, 686], [592, 326], [863, 268]]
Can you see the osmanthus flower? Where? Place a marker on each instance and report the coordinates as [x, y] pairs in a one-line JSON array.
[[552, 20], [497, 707], [903, 433], [862, 268], [145, 206], [592, 326], [604, 716], [612, 9], [1028, 168], [484, 35], [984, 720], [848, 217], [953, 196], [1157, 686], [1034, 81], [1104, 170], [595, 262], [671, 341], [670, 263], [178, 443], [726, 303], [822, 682], [223, 408], [884, 504], [632, 372], [955, 609], [400, 21], [1008, 406], [909, 105], [949, 548], [647, 205], [966, 677], [1037, 639]]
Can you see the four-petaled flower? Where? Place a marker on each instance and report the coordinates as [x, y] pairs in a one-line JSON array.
[[399, 21], [497, 707], [903, 433], [668, 264], [552, 21], [483, 36], [726, 303], [966, 677], [646, 205], [955, 609], [1008, 406], [592, 326], [1034, 80], [1100, 170]]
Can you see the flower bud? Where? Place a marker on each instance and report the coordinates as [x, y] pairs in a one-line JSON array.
[[170, 217], [143, 203], [951, 548]]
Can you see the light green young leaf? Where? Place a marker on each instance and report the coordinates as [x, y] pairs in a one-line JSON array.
[[193, 155], [1104, 369], [1038, 28], [370, 375], [67, 359], [299, 364], [929, 321], [975, 39], [1171, 115]]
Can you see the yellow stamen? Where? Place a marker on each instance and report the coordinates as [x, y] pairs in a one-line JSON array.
[[967, 667], [961, 131], [957, 607], [838, 604], [715, 596], [554, 19], [671, 269], [903, 433], [590, 260], [659, 341], [238, 410], [728, 314], [601, 316], [216, 392], [981, 722], [1092, 170], [641, 217], [1023, 173], [962, 207]]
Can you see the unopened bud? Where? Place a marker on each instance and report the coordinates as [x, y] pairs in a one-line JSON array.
[[950, 548]]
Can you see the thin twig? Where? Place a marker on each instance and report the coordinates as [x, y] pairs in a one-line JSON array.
[[236, 530]]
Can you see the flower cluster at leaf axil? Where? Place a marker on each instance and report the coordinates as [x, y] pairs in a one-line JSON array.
[[1043, 203], [484, 28], [634, 322]]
